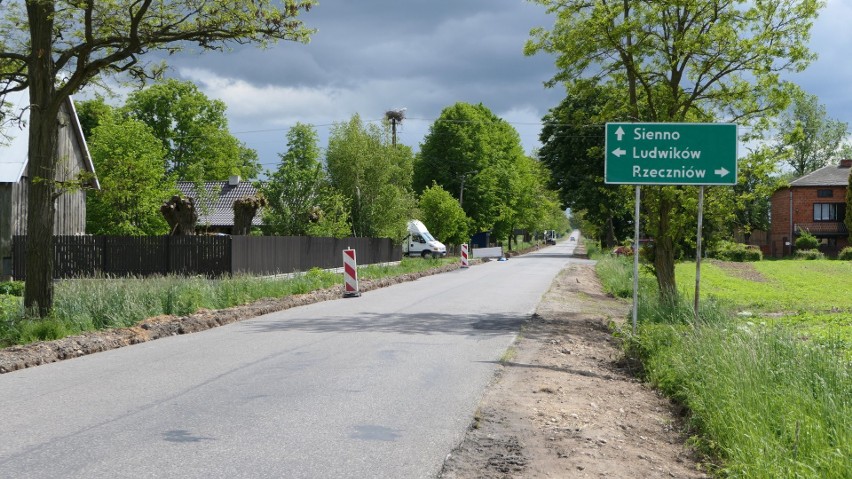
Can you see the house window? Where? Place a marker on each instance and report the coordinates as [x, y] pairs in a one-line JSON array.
[[829, 211], [825, 193]]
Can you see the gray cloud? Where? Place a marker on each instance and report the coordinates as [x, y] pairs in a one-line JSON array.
[[369, 56]]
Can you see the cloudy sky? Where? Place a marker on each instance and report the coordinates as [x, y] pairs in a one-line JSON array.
[[370, 56]]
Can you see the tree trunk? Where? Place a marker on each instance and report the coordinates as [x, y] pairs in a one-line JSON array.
[[664, 251], [43, 111], [610, 234], [181, 215], [245, 210]]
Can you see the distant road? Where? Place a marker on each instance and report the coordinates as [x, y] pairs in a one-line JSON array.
[[378, 386]]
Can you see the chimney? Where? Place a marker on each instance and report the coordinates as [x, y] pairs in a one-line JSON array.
[[235, 180]]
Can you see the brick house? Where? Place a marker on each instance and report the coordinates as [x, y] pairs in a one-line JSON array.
[[815, 203]]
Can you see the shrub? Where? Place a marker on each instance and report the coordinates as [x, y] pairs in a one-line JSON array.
[[14, 288], [806, 241], [593, 248], [809, 254], [30, 331], [845, 254], [730, 251]]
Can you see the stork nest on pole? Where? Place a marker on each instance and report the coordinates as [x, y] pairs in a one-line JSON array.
[[395, 115]]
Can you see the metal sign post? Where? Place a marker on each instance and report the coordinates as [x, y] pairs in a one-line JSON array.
[[636, 258], [698, 251], [696, 154]]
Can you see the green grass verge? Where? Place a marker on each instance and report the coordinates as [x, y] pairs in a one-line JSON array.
[[768, 395], [787, 285], [95, 304]]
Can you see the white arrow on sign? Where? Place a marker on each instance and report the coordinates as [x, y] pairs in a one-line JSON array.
[[619, 133], [619, 152], [721, 172]]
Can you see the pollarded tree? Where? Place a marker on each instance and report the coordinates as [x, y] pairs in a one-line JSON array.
[[129, 162], [245, 209], [678, 61], [54, 48], [181, 214], [194, 132], [807, 138], [373, 175]]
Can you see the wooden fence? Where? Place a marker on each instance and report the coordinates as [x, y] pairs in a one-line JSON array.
[[85, 256]]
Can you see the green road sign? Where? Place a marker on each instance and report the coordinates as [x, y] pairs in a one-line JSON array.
[[671, 153]]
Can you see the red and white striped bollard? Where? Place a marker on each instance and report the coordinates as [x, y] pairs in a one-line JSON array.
[[464, 261], [350, 274]]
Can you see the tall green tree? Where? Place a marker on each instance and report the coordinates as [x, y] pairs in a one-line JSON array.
[[373, 175], [54, 48], [469, 151], [443, 215], [92, 113], [679, 61], [194, 132], [129, 161], [748, 202], [572, 139], [524, 199], [300, 199], [807, 138]]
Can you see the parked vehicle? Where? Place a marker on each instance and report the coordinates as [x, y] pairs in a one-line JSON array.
[[420, 242], [549, 236]]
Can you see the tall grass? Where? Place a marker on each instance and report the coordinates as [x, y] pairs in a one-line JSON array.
[[762, 400], [616, 275], [101, 303]]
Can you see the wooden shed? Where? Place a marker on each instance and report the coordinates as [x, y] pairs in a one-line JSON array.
[[73, 156]]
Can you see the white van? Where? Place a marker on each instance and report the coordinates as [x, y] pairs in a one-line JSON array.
[[420, 242], [549, 236]]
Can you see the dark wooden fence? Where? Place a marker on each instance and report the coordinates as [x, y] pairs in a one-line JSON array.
[[84, 256]]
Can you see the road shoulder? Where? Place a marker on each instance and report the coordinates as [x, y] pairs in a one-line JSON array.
[[564, 405]]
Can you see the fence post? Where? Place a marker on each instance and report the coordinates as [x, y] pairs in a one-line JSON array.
[[350, 274]]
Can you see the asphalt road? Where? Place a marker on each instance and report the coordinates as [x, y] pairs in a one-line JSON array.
[[378, 386]]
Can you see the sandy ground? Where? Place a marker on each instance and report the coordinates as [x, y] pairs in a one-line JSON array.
[[564, 404]]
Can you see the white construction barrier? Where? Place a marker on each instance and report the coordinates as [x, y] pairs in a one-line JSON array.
[[350, 274], [495, 252]]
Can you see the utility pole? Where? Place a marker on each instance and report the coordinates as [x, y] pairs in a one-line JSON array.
[[461, 190], [395, 116]]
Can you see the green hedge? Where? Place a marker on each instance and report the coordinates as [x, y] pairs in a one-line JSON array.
[[806, 241], [730, 251], [809, 254]]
